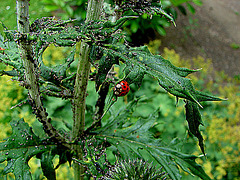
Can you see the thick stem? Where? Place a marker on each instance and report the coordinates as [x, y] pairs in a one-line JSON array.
[[80, 90], [31, 72]]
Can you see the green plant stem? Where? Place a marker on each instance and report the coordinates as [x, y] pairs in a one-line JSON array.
[[80, 90], [31, 71]]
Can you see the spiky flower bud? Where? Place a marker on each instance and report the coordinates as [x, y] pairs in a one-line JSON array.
[[136, 169]]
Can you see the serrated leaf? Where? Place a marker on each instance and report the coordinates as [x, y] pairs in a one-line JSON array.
[[92, 32], [134, 140], [150, 8], [19, 148], [202, 96], [11, 56], [173, 79], [9, 73], [8, 35], [194, 119]]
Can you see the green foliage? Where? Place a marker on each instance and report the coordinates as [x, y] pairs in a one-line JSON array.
[[140, 61], [220, 119], [11, 57], [69, 8], [194, 119], [131, 139], [19, 148], [235, 45], [76, 9], [122, 133], [22, 145], [143, 26]]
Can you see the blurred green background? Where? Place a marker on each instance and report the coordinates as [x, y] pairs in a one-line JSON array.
[[222, 119]]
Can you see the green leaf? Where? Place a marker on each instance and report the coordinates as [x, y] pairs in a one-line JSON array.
[[7, 33], [50, 8], [133, 140], [191, 8], [134, 26], [178, 2], [47, 165], [149, 8], [173, 79], [235, 45], [11, 56], [52, 31], [161, 30], [202, 96], [194, 119], [19, 148], [139, 61], [198, 2], [182, 9], [105, 64], [134, 75]]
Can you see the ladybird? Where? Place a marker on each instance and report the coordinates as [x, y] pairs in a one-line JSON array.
[[121, 88]]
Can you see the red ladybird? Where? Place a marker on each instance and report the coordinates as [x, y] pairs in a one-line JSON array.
[[121, 88]]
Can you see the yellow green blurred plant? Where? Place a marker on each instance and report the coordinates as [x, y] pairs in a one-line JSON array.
[[63, 172], [55, 55], [11, 94]]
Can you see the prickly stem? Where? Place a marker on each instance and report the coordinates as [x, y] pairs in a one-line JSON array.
[[93, 13], [31, 71]]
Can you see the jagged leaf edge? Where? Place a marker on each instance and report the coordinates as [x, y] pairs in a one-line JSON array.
[[173, 80], [187, 160], [124, 54], [11, 55], [194, 119], [18, 162]]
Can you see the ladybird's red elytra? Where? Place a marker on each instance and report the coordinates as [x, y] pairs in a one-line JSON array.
[[121, 88]]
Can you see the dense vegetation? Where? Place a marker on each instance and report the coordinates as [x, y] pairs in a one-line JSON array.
[[147, 116]]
